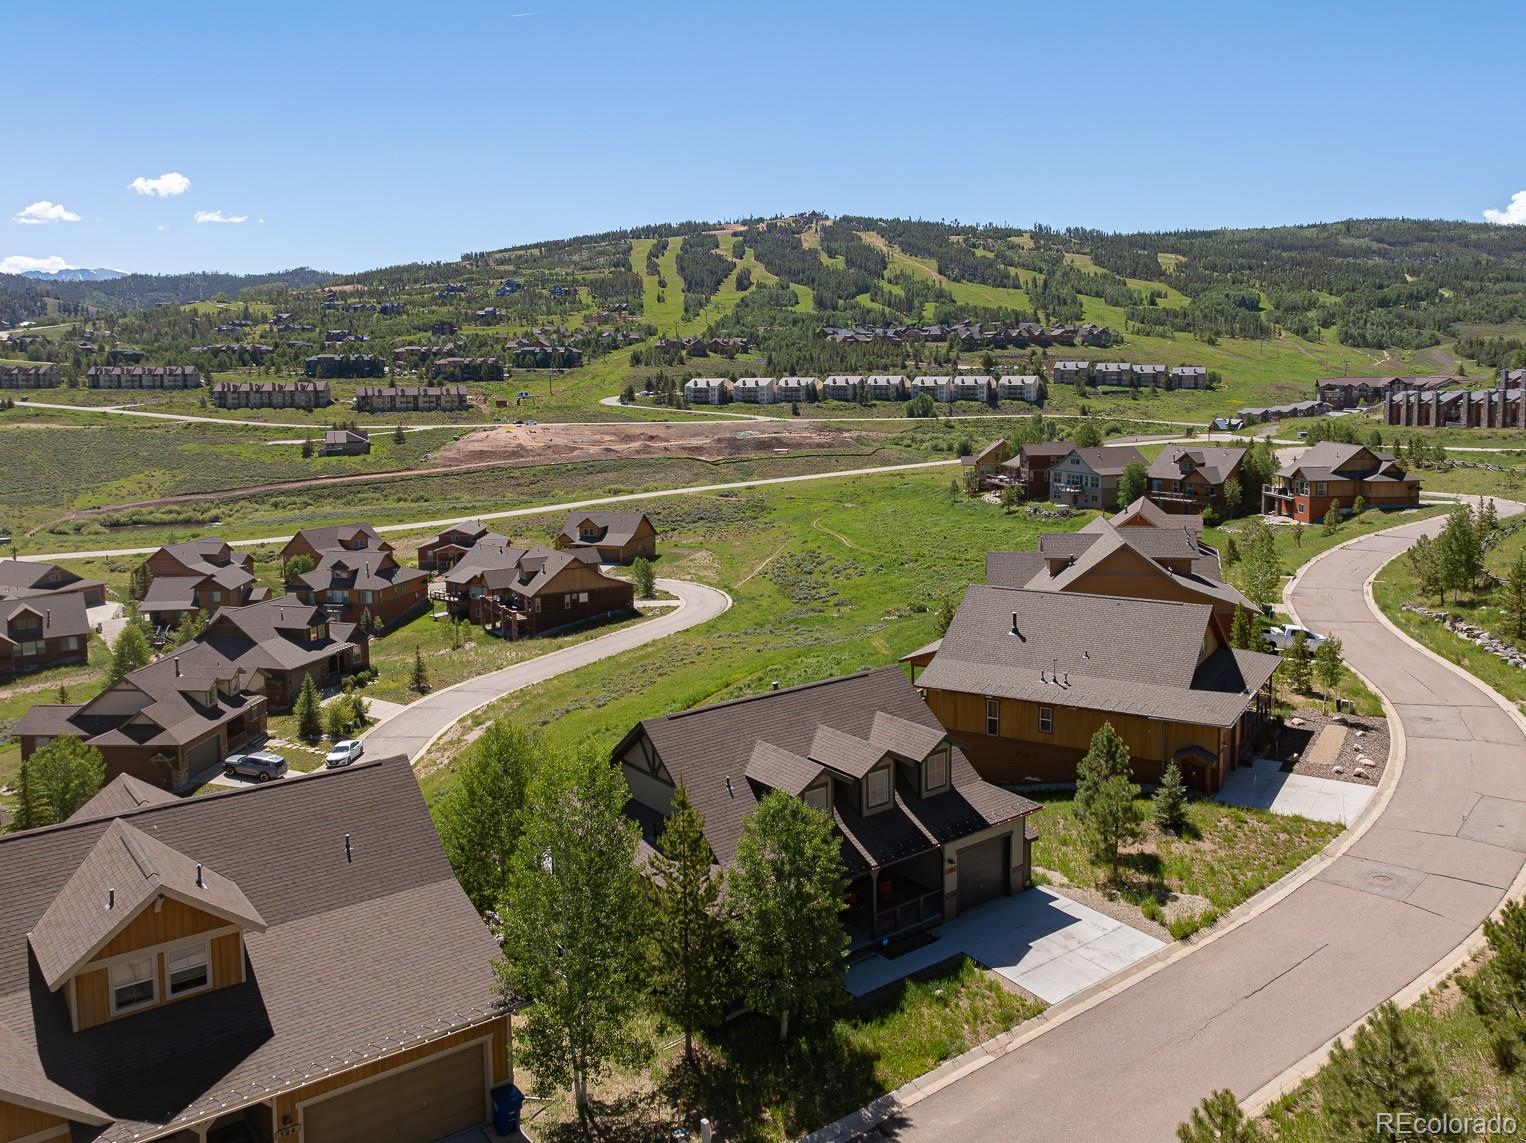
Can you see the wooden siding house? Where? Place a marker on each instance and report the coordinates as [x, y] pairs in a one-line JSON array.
[[44, 630], [1031, 466], [367, 586], [1024, 678], [34, 577], [1191, 479], [987, 463], [206, 969], [520, 593], [197, 575], [1336, 474], [616, 537], [924, 838], [448, 547]]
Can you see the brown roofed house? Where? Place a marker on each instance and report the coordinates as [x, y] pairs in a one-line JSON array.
[[1088, 477], [197, 575], [33, 577], [923, 837], [366, 585], [1024, 678], [523, 592], [313, 542], [1032, 463], [444, 551], [1190, 479], [1332, 474], [161, 977], [618, 537], [170, 723], [1137, 562], [46, 630]]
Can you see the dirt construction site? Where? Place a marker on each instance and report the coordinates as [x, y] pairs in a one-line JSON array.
[[539, 444]]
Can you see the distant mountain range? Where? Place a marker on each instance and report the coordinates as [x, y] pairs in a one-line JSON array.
[[81, 275]]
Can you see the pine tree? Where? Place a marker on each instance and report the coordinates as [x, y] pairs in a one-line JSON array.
[[1240, 632], [1358, 506], [1234, 496], [32, 809], [1460, 553], [1332, 518], [1385, 1069], [1133, 484], [1513, 596], [1105, 796], [689, 970], [1169, 804], [397, 435], [1425, 562], [308, 710], [418, 680], [1497, 990], [1218, 1119], [307, 448], [1297, 664]]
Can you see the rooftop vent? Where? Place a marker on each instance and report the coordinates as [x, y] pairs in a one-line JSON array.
[[199, 883]]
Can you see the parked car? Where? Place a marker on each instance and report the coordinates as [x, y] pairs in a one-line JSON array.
[[261, 765], [1280, 638], [343, 753]]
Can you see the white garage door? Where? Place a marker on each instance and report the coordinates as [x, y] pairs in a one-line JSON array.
[[420, 1104]]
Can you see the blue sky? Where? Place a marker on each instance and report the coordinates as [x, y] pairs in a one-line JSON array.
[[351, 135]]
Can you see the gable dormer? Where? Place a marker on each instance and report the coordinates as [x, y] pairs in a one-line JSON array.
[[140, 925]]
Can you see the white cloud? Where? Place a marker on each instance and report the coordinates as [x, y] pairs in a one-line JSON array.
[[17, 263], [1512, 215], [164, 186], [219, 216], [44, 211]]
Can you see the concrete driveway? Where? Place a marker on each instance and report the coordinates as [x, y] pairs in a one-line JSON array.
[[1045, 943], [1264, 786], [1241, 1010], [416, 725]]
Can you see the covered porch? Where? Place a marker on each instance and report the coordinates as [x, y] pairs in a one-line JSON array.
[[894, 901]]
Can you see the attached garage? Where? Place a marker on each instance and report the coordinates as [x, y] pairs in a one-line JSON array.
[[203, 755], [982, 871], [416, 1103]]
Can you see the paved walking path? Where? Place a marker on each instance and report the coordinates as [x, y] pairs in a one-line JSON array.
[[415, 726], [1240, 1010]]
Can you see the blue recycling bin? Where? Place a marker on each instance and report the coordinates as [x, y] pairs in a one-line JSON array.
[[508, 1100]]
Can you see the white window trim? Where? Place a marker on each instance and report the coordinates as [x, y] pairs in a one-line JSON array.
[[1046, 715], [181, 946], [153, 980], [945, 755]]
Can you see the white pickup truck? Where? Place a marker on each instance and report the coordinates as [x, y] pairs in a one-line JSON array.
[[1281, 638]]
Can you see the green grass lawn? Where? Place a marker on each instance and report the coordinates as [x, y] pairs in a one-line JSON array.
[[1396, 585], [1228, 854], [755, 1090], [405, 499], [827, 577]]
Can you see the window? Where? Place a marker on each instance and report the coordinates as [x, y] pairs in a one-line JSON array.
[[819, 797], [186, 969], [133, 984], [993, 716], [877, 786], [366, 597], [214, 597], [1321, 488], [30, 647], [567, 601], [937, 769], [1046, 720]]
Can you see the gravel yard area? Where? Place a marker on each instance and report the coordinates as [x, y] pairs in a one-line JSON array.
[[1345, 747]]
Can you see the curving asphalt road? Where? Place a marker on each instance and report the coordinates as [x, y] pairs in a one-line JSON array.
[[1240, 1010], [412, 729]]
